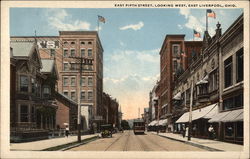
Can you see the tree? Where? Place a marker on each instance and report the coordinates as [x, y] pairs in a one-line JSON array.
[[125, 125]]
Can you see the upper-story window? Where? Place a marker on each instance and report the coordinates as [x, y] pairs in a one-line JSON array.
[[65, 42], [82, 43], [213, 81], [66, 66], [33, 88], [176, 50], [82, 52], [233, 102], [65, 53], [89, 52], [66, 93], [239, 66], [24, 83], [72, 43], [46, 91], [73, 66], [175, 65], [83, 95], [72, 52], [52, 52], [89, 42], [65, 81], [73, 95], [83, 81], [90, 81], [90, 95], [228, 72], [73, 81]]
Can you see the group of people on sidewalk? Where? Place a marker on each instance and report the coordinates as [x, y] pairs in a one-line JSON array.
[[211, 132]]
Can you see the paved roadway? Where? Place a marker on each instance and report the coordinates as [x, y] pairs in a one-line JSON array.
[[127, 141]]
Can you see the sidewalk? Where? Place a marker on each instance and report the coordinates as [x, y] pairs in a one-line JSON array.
[[48, 143], [210, 145]]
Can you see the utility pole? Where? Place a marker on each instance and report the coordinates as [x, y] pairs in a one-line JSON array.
[[190, 113], [82, 61]]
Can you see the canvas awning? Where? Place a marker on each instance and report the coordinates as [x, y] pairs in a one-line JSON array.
[[235, 115], [152, 123], [205, 112], [163, 122], [229, 116], [177, 96]]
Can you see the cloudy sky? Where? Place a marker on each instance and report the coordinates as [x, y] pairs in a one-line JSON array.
[[131, 39]]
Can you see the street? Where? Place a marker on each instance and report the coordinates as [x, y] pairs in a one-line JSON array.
[[127, 141]]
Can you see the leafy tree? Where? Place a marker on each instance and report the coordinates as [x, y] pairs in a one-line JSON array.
[[125, 125]]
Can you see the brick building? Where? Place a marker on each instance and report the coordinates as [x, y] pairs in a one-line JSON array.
[[63, 49]]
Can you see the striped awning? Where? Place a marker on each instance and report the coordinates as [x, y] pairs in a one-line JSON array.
[[228, 116]]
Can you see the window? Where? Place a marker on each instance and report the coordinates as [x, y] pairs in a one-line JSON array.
[[239, 65], [24, 113], [175, 65], [65, 42], [33, 89], [46, 91], [73, 81], [32, 114], [73, 66], [176, 49], [24, 83], [213, 81], [239, 129], [66, 93], [90, 81], [228, 72], [233, 102], [65, 52], [82, 52], [89, 42], [65, 81], [52, 52], [229, 129], [72, 43], [90, 67], [83, 95], [82, 43], [90, 95], [73, 95], [83, 81], [89, 52], [65, 66], [72, 52]]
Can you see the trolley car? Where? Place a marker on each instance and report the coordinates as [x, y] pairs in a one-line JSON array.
[[139, 127]]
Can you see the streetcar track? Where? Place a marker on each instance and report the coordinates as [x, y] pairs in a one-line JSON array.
[[126, 143], [157, 144], [113, 143], [142, 144]]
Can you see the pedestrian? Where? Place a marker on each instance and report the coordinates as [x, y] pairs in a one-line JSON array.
[[211, 132], [67, 131], [186, 134]]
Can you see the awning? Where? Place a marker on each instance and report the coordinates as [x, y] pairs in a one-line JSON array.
[[228, 116], [152, 123], [203, 81], [163, 122], [177, 96], [205, 112], [235, 115], [218, 117]]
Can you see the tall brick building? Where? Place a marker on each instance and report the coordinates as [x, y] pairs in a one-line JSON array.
[[63, 49]]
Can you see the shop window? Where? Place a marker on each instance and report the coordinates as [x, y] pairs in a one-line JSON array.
[[24, 113], [238, 100], [32, 114], [229, 129], [239, 129], [239, 65], [228, 72], [24, 83], [46, 91]]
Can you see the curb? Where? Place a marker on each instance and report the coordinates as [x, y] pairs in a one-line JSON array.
[[70, 145], [193, 144]]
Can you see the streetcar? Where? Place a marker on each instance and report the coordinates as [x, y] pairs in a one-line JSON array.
[[139, 126]]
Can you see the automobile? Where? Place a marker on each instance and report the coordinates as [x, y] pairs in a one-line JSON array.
[[106, 130]]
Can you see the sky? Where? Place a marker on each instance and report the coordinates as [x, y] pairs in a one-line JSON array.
[[131, 38]]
